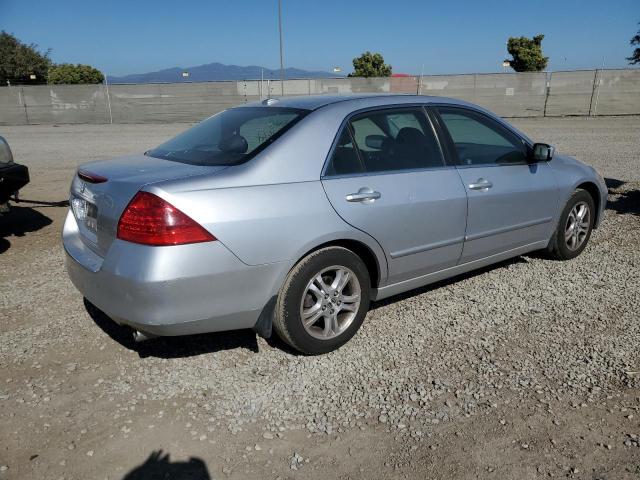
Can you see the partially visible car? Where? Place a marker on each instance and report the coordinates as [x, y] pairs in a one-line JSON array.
[[13, 176]]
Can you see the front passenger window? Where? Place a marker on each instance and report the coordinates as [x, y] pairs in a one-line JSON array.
[[480, 140], [396, 139]]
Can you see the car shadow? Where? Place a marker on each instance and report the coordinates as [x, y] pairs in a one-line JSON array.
[[18, 222], [159, 466], [275, 342], [625, 201], [202, 344], [173, 347], [613, 183]]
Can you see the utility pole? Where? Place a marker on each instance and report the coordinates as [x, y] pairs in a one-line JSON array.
[[281, 59]]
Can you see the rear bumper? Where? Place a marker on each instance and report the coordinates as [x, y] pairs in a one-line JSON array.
[[177, 290]]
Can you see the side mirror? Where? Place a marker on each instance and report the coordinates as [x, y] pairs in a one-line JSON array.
[[374, 141], [5, 152], [542, 152]]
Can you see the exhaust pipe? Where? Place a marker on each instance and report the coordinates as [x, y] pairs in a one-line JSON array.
[[139, 336]]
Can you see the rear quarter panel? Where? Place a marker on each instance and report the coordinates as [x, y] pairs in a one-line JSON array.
[[267, 223]]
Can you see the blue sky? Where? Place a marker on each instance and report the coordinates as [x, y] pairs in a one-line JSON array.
[[122, 37]]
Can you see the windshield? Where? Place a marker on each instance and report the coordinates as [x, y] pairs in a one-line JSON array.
[[230, 137]]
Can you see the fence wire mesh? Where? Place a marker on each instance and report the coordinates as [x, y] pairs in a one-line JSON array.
[[589, 92]]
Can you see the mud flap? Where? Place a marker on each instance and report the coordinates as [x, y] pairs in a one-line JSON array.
[[264, 325]]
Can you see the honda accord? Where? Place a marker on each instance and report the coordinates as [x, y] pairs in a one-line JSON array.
[[296, 213]]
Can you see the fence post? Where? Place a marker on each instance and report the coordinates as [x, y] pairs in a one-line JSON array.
[[592, 107], [24, 104], [475, 96], [599, 80], [106, 86], [547, 91]]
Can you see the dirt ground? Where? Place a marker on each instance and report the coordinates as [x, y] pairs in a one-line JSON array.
[[529, 369]]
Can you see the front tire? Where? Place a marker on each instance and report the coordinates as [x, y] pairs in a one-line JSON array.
[[323, 301], [574, 227]]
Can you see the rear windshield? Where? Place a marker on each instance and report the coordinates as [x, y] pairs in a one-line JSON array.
[[230, 137]]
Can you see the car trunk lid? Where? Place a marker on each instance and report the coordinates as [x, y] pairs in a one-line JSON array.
[[101, 191]]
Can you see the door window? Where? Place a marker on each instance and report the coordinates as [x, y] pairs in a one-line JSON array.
[[345, 159], [387, 140], [480, 140]]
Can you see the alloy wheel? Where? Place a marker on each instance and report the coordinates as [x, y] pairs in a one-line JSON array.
[[330, 302], [577, 226]]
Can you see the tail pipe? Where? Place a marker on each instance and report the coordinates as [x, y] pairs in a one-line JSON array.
[[139, 336]]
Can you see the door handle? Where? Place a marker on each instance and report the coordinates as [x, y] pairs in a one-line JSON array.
[[481, 184], [364, 195]]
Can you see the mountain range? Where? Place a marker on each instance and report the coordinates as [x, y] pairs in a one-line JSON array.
[[215, 71]]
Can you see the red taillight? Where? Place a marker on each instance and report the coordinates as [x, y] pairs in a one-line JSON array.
[[150, 220], [91, 177]]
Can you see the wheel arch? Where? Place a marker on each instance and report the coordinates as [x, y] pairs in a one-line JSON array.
[[361, 249], [593, 190], [376, 268]]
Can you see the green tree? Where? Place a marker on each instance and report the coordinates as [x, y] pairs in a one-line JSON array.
[[635, 56], [18, 61], [370, 65], [74, 74], [527, 54]]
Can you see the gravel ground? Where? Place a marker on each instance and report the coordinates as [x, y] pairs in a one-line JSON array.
[[527, 369]]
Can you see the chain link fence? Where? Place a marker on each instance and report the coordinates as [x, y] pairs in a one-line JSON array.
[[588, 92]]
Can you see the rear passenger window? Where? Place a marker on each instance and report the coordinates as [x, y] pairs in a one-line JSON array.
[[480, 140], [402, 120], [345, 159], [387, 140], [364, 128]]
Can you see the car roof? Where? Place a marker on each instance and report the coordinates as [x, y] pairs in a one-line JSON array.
[[313, 102], [341, 105]]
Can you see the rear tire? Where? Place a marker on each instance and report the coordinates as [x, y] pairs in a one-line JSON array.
[[574, 227], [323, 301]]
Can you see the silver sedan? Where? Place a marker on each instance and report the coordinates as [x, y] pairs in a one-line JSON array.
[[296, 213]]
